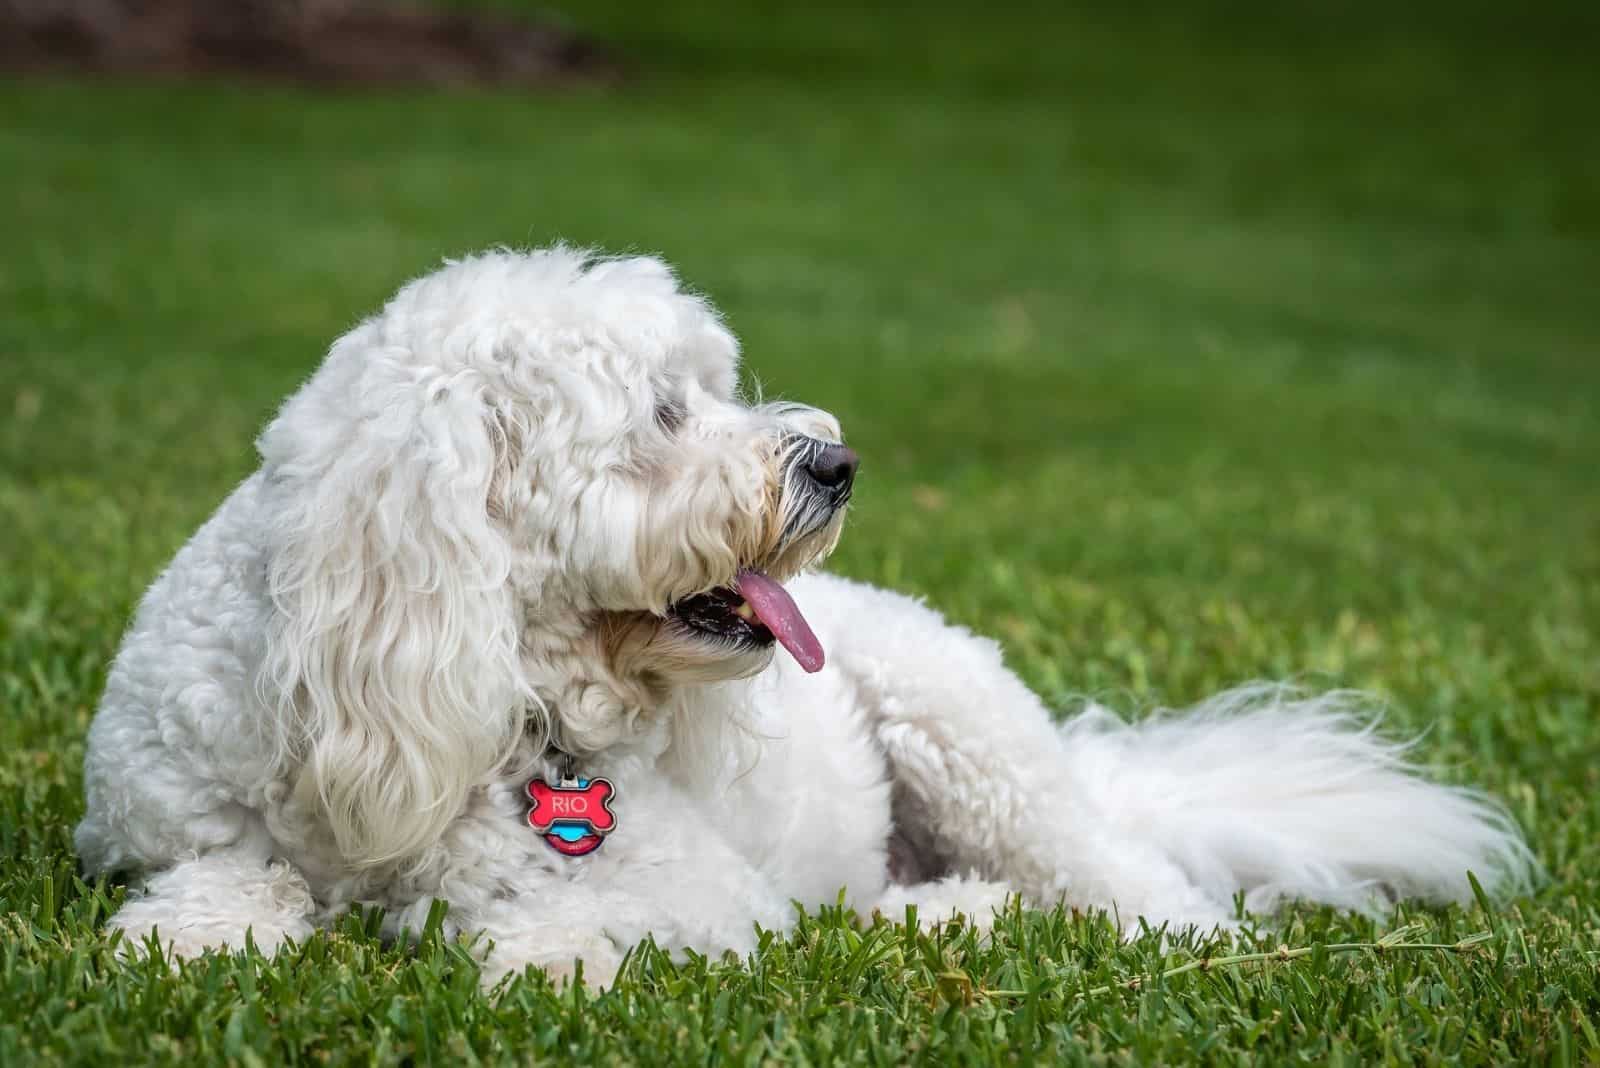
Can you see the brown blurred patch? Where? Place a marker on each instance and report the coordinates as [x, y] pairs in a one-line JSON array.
[[312, 41]]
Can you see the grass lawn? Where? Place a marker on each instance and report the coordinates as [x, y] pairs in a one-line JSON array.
[[1182, 350]]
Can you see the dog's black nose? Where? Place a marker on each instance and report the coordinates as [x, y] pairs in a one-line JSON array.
[[834, 467]]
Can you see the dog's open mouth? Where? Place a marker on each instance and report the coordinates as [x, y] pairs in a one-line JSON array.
[[756, 610]]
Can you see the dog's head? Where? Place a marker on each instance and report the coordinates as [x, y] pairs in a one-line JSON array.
[[527, 486]]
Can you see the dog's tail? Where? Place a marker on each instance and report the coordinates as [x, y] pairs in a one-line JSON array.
[[1291, 796]]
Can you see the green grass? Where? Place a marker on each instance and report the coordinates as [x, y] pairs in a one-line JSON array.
[[1183, 348]]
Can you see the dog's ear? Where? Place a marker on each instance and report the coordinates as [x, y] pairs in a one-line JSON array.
[[391, 669]]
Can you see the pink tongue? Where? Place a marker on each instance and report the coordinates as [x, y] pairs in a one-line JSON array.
[[778, 612]]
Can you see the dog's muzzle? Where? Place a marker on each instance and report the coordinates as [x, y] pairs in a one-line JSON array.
[[754, 610], [822, 475]]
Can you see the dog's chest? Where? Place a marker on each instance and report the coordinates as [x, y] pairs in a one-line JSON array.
[[812, 813]]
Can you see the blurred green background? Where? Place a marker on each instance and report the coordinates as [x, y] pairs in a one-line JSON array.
[[1184, 343]]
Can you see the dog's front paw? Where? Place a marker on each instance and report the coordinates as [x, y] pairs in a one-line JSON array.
[[600, 957], [976, 901], [216, 902], [179, 939]]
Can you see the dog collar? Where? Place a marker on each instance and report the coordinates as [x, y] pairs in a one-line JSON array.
[[574, 814]]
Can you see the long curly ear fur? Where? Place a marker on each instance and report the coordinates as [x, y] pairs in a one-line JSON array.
[[391, 669]]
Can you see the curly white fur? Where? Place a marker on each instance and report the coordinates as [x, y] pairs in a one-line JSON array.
[[464, 544]]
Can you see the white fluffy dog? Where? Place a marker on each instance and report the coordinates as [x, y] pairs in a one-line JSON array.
[[517, 541]]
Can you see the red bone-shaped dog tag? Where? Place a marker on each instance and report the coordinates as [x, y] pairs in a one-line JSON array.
[[573, 819]]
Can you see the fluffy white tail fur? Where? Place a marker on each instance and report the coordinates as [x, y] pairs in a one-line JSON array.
[[1292, 796]]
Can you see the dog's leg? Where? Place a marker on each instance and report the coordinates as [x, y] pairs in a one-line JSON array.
[[212, 901], [1258, 790], [979, 768], [1003, 812]]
